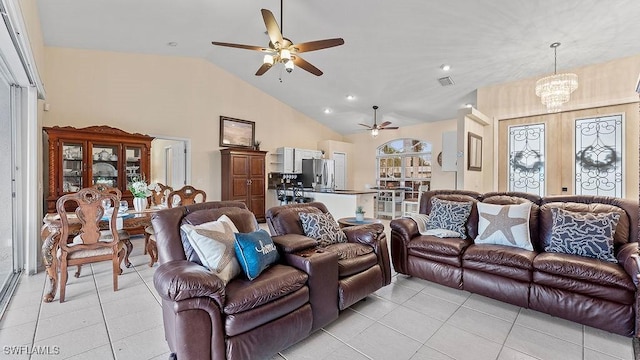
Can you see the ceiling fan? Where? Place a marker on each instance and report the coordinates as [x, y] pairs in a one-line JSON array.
[[283, 50], [375, 127]]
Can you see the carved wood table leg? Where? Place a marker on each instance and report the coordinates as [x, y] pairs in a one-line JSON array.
[[51, 235], [152, 249]]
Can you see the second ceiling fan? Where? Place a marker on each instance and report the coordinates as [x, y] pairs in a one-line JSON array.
[[283, 50], [375, 127]]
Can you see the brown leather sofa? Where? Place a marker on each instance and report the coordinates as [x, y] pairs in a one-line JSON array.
[[589, 291], [204, 319], [362, 262]]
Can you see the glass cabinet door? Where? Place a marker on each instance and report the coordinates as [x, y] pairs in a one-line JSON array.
[[133, 169], [104, 168], [72, 171]]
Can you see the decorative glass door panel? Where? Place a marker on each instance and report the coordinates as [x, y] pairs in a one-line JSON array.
[[72, 166], [104, 168], [526, 167], [133, 155]]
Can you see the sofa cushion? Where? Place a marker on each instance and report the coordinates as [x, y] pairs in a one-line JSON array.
[[353, 257], [275, 282], [255, 252], [507, 261], [504, 225], [323, 228], [449, 215], [583, 269], [583, 234]]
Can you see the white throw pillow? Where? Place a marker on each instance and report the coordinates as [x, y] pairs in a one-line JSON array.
[[504, 225], [214, 243]]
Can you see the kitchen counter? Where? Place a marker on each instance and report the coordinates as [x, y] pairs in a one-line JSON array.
[[340, 203]]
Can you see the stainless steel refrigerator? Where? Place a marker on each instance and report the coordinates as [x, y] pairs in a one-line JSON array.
[[319, 174]]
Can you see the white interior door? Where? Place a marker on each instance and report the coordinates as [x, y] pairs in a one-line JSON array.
[[340, 160], [169, 162]]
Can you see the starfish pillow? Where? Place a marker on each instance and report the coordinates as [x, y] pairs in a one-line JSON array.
[[504, 225]]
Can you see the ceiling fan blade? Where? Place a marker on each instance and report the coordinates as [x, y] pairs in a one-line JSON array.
[[388, 128], [365, 125], [304, 64], [385, 123], [263, 69], [275, 35], [240, 46], [318, 44]]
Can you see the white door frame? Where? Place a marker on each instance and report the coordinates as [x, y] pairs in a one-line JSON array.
[[187, 148]]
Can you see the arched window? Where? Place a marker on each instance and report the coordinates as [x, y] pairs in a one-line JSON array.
[[404, 163]]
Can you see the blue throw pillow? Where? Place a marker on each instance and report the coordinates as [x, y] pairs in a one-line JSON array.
[[255, 252]]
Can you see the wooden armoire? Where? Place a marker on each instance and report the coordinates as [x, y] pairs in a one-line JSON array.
[[244, 178]]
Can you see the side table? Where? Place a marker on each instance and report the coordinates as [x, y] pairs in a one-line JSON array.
[[351, 221]]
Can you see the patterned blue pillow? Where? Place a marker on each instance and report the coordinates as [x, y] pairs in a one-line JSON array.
[[584, 234], [323, 228], [255, 252], [449, 215]]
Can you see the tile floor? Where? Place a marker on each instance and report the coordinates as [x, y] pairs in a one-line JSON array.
[[409, 319]]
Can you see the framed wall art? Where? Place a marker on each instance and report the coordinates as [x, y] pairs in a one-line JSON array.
[[237, 133], [474, 150]]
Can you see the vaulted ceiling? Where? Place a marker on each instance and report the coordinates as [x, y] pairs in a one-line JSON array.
[[393, 50]]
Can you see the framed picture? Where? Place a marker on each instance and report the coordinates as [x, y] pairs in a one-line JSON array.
[[474, 150], [237, 133]]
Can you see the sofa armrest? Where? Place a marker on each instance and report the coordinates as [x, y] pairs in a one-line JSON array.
[[402, 231], [292, 243], [364, 234], [628, 258], [181, 279], [374, 236], [322, 268]]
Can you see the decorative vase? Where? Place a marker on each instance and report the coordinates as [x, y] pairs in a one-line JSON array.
[[359, 216], [139, 204]]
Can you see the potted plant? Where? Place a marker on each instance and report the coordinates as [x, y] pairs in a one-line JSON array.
[[359, 213]]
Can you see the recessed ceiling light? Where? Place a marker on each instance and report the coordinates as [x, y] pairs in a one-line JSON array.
[[172, 44], [351, 97], [468, 106], [327, 111], [445, 67]]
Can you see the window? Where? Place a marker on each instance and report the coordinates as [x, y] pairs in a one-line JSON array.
[[526, 166], [598, 149], [404, 163]]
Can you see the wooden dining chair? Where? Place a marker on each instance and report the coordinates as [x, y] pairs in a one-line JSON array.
[[124, 235], [91, 244], [159, 194], [186, 196]]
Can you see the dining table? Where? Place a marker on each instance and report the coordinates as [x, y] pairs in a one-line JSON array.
[[50, 235]]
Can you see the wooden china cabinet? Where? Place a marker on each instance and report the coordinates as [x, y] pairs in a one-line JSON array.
[[81, 157], [243, 179]]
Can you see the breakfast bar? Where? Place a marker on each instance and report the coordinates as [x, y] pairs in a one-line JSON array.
[[341, 203]]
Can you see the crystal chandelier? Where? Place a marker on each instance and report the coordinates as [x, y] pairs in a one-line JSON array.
[[556, 89]]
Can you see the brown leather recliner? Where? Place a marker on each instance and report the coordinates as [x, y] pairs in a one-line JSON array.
[[362, 262], [589, 291], [203, 319]]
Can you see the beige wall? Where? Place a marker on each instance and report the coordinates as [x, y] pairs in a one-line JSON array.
[[364, 154], [171, 96]]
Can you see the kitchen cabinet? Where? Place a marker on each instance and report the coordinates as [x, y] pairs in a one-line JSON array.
[[284, 156], [82, 157], [243, 178]]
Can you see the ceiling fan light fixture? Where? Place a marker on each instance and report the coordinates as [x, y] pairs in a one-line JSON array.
[[374, 133], [268, 59], [288, 66], [285, 55]]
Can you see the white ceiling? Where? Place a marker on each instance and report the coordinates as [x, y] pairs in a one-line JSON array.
[[393, 49]]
